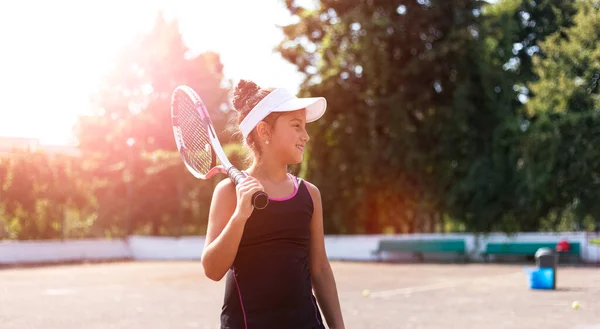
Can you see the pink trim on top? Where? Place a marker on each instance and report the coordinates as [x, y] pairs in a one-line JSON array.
[[293, 194], [240, 294], [316, 315], [287, 197]]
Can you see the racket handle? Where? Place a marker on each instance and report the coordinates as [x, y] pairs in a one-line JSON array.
[[260, 199]]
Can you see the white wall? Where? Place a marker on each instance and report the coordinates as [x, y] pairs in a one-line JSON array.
[[22, 252], [165, 248], [349, 248], [591, 252]]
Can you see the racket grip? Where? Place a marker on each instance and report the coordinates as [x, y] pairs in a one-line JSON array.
[[260, 199]]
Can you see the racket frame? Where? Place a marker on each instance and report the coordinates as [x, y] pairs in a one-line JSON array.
[[260, 199]]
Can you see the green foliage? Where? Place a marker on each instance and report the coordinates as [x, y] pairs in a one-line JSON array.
[[129, 178], [453, 115], [36, 192], [425, 110], [141, 188], [562, 160], [391, 75], [570, 72]]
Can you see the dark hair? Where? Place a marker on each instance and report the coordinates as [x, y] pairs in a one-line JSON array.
[[245, 97]]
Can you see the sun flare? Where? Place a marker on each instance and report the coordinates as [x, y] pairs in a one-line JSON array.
[[58, 54]]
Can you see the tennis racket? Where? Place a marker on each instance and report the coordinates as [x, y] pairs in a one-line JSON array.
[[198, 143]]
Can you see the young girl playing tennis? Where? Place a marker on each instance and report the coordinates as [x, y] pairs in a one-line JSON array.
[[273, 257]]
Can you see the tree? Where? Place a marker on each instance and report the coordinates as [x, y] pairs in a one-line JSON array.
[[517, 27], [562, 162], [38, 190], [496, 194], [425, 113], [391, 74], [141, 184]]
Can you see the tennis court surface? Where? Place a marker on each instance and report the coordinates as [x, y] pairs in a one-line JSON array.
[[153, 295]]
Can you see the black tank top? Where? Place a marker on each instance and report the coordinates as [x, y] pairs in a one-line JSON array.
[[269, 284]]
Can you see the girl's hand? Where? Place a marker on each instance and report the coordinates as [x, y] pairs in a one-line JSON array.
[[244, 191]]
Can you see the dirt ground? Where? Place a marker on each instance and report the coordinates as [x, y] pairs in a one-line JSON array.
[[153, 295]]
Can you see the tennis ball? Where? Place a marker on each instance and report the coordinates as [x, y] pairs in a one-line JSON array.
[[575, 305], [366, 292]]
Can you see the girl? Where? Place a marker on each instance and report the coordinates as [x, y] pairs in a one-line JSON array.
[[274, 257]]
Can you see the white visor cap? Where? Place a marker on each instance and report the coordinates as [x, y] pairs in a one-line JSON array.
[[282, 100]]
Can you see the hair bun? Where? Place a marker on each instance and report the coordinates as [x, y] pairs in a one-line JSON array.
[[244, 91]]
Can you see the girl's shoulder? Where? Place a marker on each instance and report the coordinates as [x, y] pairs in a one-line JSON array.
[[312, 188], [225, 189]]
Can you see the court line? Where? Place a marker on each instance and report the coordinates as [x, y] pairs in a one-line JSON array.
[[439, 286]]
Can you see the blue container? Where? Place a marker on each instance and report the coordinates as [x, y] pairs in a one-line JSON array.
[[541, 278]]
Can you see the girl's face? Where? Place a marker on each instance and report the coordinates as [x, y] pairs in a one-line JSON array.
[[289, 137]]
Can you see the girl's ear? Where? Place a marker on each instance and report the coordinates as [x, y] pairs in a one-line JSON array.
[[263, 131]]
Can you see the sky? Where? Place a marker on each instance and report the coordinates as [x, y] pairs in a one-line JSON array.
[[54, 53]]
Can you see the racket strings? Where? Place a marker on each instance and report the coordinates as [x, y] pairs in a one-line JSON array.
[[194, 136]]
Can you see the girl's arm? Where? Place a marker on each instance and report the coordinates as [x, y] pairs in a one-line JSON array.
[[226, 222], [321, 273]]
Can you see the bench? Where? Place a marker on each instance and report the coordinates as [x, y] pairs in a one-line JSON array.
[[420, 247], [528, 249]]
